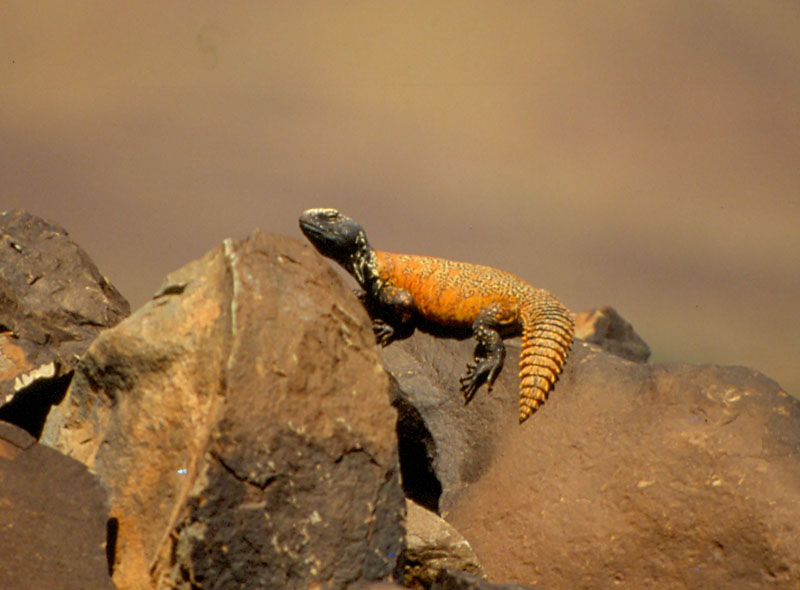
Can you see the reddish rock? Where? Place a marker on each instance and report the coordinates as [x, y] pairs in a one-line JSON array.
[[659, 476], [52, 519], [242, 425], [53, 303]]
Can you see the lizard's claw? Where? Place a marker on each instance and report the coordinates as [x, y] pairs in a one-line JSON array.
[[383, 332], [482, 370], [471, 381]]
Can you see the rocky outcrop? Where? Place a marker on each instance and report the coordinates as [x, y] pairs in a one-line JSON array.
[[242, 425], [668, 476], [52, 519], [53, 303]]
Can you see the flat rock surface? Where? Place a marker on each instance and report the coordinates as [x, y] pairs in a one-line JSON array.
[[662, 476], [242, 424], [52, 519]]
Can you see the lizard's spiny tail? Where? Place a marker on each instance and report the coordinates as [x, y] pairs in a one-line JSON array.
[[547, 330]]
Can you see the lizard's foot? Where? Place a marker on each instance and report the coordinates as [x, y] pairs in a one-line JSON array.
[[384, 333], [489, 354], [484, 369]]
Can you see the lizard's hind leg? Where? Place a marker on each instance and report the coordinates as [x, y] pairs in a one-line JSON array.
[[490, 353]]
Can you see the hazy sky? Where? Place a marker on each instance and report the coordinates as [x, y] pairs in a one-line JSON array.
[[644, 155]]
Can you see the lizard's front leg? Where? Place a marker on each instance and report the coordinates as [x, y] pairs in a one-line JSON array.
[[391, 312], [490, 353]]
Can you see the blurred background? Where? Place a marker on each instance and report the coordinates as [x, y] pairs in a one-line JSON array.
[[644, 155]]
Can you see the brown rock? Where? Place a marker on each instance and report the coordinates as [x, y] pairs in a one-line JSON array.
[[609, 330], [53, 302], [667, 476], [433, 545], [242, 425], [52, 519]]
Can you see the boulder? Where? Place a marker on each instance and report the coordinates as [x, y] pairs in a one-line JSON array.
[[434, 545], [610, 331], [53, 303], [667, 476], [241, 423], [52, 516]]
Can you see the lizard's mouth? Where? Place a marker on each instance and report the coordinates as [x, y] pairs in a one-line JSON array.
[[310, 230]]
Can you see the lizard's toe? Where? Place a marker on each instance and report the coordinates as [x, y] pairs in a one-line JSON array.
[[492, 376], [470, 382]]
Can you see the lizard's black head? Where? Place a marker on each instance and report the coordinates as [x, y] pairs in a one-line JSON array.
[[333, 234]]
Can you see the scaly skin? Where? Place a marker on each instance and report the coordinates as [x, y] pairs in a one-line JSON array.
[[455, 294]]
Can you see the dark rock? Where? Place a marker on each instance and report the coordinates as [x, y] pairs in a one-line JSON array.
[[53, 303], [242, 424], [52, 517], [609, 330], [445, 444], [457, 580], [649, 475], [13, 440]]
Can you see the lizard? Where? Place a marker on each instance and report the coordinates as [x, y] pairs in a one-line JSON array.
[[491, 302]]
